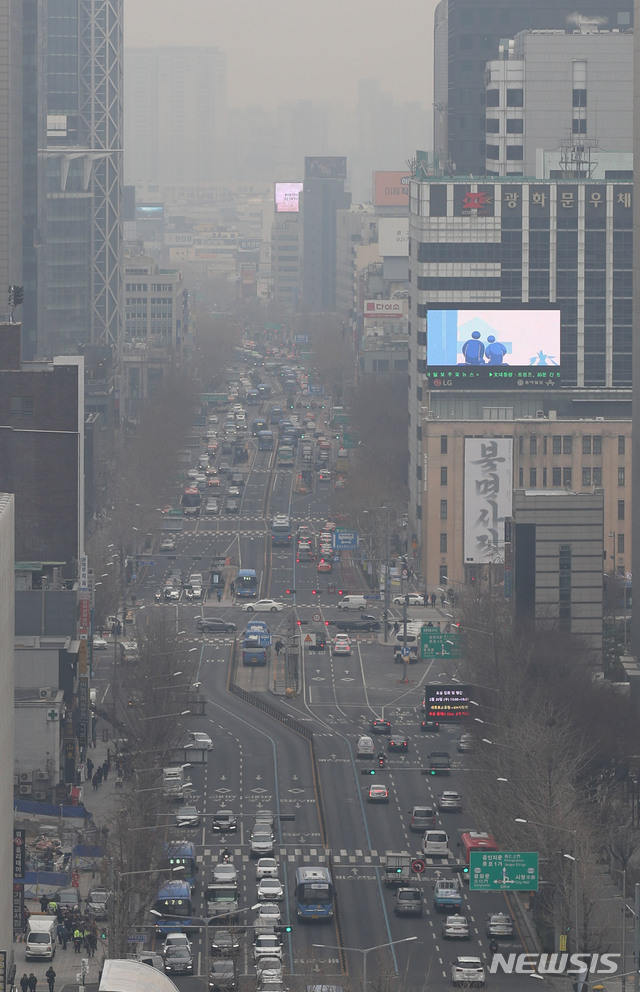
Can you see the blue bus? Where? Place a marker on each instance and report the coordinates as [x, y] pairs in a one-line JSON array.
[[281, 530], [182, 853], [314, 893], [265, 441], [173, 908], [246, 583]]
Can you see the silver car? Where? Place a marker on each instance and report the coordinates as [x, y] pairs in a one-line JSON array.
[[455, 928]]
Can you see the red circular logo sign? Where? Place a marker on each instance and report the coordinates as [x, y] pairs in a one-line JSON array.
[[418, 866]]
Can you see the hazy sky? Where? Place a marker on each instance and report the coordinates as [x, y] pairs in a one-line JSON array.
[[286, 50]]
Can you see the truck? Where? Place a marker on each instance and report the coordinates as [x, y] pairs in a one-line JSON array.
[[447, 896], [397, 869], [223, 900], [342, 461], [175, 782], [439, 763], [256, 644]]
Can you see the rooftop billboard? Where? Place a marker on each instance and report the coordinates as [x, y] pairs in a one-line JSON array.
[[469, 347], [325, 167], [287, 197], [391, 189]]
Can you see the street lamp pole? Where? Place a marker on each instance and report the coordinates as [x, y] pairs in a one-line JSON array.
[[570, 857], [365, 951]]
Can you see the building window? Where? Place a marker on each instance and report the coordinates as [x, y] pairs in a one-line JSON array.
[[521, 478], [22, 406], [443, 509], [544, 444], [621, 441], [586, 476], [492, 152], [443, 444], [521, 446], [556, 477], [515, 153], [515, 125], [493, 98], [586, 444], [620, 509], [620, 544], [444, 577], [443, 476], [579, 98], [621, 481], [579, 125], [566, 476], [557, 444], [597, 475], [492, 125], [533, 445], [597, 444], [532, 478], [443, 544], [567, 445], [564, 585], [515, 98], [544, 477]]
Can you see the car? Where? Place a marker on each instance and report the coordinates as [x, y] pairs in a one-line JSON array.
[[167, 544], [201, 740], [380, 727], [201, 479], [225, 872], [224, 943], [270, 890], [465, 743], [499, 925], [408, 902], [410, 598], [232, 506], [267, 868], [398, 744], [324, 566], [98, 903], [422, 818], [233, 491], [222, 975], [214, 483], [178, 961], [366, 747], [224, 822], [267, 946], [210, 470], [378, 794], [215, 625], [263, 606], [450, 802], [175, 939], [430, 726], [262, 841], [268, 915], [267, 964], [193, 592], [324, 475], [211, 507], [187, 816], [341, 644], [365, 623], [264, 817], [455, 928], [468, 972], [192, 473], [171, 593], [99, 644], [435, 844]]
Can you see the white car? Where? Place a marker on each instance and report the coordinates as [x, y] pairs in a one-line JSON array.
[[413, 599], [167, 544], [264, 606], [268, 915], [270, 890], [261, 843], [99, 644], [200, 740], [224, 871], [175, 940], [467, 971], [267, 946], [342, 644], [267, 868]]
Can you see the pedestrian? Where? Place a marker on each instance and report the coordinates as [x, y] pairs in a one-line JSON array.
[[89, 769], [52, 908], [219, 595], [32, 981], [94, 781], [493, 947], [77, 940], [99, 775], [44, 903], [396, 627], [105, 769], [232, 587], [432, 599], [24, 982], [442, 599], [93, 941], [50, 975], [279, 646]]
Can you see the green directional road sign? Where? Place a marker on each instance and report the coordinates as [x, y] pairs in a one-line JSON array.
[[436, 644], [493, 870]]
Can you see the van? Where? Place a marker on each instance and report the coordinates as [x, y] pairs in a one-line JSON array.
[[435, 844], [366, 748], [422, 818], [352, 603], [41, 938]]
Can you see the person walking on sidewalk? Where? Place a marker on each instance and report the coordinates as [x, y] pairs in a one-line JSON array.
[[24, 982], [62, 935], [89, 769], [105, 769], [51, 977], [32, 982], [219, 595]]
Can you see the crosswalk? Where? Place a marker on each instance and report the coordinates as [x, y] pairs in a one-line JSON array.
[[319, 855]]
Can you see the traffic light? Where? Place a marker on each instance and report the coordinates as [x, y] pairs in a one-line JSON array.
[[367, 771], [103, 933], [290, 592], [284, 928], [460, 869]]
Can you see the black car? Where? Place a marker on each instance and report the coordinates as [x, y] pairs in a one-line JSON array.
[[224, 822], [380, 727], [364, 623], [215, 625], [222, 975], [178, 961], [430, 726], [224, 943]]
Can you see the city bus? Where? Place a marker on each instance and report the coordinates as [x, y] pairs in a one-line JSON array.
[[475, 840], [191, 501], [182, 852], [285, 456], [173, 909], [246, 583], [281, 530], [314, 893], [265, 441]]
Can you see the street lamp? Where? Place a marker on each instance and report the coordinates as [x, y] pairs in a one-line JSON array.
[[387, 587], [570, 857], [365, 951]]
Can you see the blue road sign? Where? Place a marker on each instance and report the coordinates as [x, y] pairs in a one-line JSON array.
[[345, 540]]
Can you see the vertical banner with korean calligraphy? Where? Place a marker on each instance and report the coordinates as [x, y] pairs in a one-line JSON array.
[[19, 869], [488, 489]]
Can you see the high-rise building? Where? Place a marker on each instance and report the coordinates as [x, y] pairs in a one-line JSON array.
[[7, 622], [11, 70], [635, 628], [83, 286], [467, 35], [322, 196], [175, 115]]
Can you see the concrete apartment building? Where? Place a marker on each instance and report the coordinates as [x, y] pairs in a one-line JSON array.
[[555, 89]]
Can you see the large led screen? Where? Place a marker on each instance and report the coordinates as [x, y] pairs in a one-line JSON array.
[[468, 347], [287, 197]]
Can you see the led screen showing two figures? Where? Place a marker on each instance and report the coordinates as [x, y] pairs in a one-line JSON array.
[[468, 346]]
